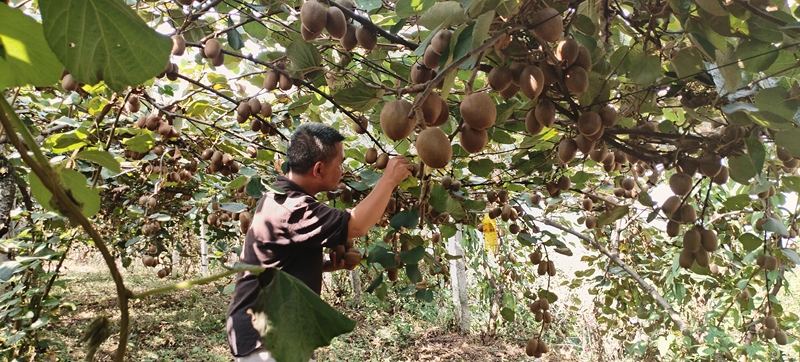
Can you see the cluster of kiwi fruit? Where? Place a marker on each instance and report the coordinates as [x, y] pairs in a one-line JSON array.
[[212, 49], [697, 245], [220, 162], [503, 209], [478, 112], [540, 309], [379, 160], [218, 217], [346, 252], [274, 79], [626, 188], [536, 347], [252, 107], [150, 259], [157, 123], [772, 330], [768, 262], [554, 188], [425, 70], [315, 18]]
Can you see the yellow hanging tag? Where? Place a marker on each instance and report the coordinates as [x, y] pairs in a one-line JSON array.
[[489, 234]]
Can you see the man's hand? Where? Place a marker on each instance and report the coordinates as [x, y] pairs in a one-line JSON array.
[[398, 169], [335, 264]]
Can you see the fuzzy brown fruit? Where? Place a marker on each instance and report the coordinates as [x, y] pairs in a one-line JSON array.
[[671, 204], [608, 115], [336, 23], [441, 41], [271, 80], [531, 81], [433, 147], [478, 111], [567, 52], [431, 107], [781, 338], [567, 149], [313, 16], [673, 228], [212, 48], [430, 58], [691, 240], [500, 77], [178, 45], [546, 113], [349, 41], [382, 161], [576, 79], [394, 119], [366, 38], [532, 124], [589, 123], [472, 140], [584, 59], [709, 240], [69, 83], [352, 258], [680, 183], [686, 259], [547, 24], [371, 155], [444, 114], [420, 73]]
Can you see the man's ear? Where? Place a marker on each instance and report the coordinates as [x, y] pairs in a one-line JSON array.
[[316, 171]]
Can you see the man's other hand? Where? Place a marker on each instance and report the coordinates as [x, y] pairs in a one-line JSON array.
[[398, 169]]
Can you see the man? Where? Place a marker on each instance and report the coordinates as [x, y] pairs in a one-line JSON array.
[[289, 230]]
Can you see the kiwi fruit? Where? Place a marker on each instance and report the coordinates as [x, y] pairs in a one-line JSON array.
[[547, 24], [688, 165], [271, 80], [219, 60], [212, 49], [433, 147], [366, 38], [472, 140], [710, 164], [285, 82], [430, 58], [336, 23], [531, 81], [382, 161], [673, 228], [584, 58], [531, 347], [69, 83], [243, 110], [567, 149], [783, 154], [761, 259], [265, 109], [589, 123], [546, 113], [420, 73], [702, 257], [352, 258], [309, 35], [444, 114], [148, 260], [680, 183], [509, 92], [371, 155], [587, 204], [599, 154], [186, 2], [478, 111], [709, 241], [551, 271], [671, 204], [688, 214], [686, 259], [691, 240], [591, 222], [608, 115], [455, 186], [500, 77], [441, 41], [770, 263], [133, 105], [178, 45], [446, 182], [567, 52], [313, 16], [502, 196], [564, 183], [532, 124], [722, 177], [431, 107], [576, 80], [781, 338], [394, 119], [516, 71], [505, 212], [349, 41], [771, 322]]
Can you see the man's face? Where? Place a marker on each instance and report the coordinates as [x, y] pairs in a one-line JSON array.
[[335, 169]]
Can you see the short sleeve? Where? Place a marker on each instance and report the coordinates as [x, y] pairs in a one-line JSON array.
[[317, 224]]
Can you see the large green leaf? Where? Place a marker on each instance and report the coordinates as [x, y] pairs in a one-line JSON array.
[[741, 169], [25, 58], [756, 55], [293, 320], [481, 30], [101, 158], [412, 256], [76, 187], [756, 152], [103, 40], [358, 98], [687, 62], [443, 13], [405, 218], [304, 57], [647, 68], [788, 139], [407, 8]]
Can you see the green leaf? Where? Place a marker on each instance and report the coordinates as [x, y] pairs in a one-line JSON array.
[[235, 40], [788, 140], [425, 295], [64, 142], [413, 273], [7, 270], [233, 207], [731, 74], [481, 30], [101, 158], [304, 57], [777, 101], [77, 187], [443, 14], [764, 30], [439, 198], [687, 62], [757, 56], [293, 320], [104, 40], [713, 7], [756, 152], [405, 218], [737, 202], [25, 57], [454, 208], [647, 68], [507, 8], [508, 314], [791, 182], [791, 255], [502, 137], [255, 188], [141, 143], [375, 283], [256, 30], [358, 98], [412, 256], [382, 256], [741, 169], [775, 226], [408, 8], [616, 213], [482, 167], [750, 242]]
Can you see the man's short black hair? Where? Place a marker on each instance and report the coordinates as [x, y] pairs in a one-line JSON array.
[[311, 143]]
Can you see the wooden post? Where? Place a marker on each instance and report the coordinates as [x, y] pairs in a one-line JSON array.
[[203, 249], [458, 278]]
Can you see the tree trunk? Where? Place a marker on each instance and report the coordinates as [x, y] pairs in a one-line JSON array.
[[7, 192], [203, 249], [355, 282], [458, 278]]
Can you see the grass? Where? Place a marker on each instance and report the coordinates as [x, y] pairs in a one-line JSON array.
[[189, 325]]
